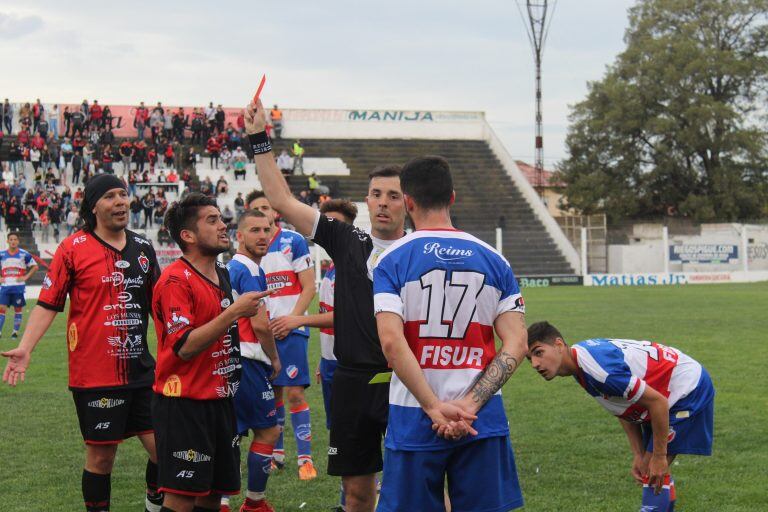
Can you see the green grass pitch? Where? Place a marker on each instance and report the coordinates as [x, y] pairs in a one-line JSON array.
[[571, 455]]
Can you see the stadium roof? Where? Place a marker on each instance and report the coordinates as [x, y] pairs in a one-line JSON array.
[[529, 172]]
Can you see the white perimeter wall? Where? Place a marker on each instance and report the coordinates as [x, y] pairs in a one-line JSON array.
[[646, 252]]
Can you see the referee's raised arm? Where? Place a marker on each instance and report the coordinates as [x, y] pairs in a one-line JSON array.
[[273, 183]]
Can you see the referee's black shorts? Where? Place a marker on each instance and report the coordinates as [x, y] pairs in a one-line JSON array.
[[198, 447], [358, 422]]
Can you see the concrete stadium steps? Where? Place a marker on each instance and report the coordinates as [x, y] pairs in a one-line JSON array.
[[485, 193]]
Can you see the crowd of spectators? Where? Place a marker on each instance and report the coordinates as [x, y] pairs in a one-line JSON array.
[[162, 154]]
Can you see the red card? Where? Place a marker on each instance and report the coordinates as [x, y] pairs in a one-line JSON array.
[[258, 91]]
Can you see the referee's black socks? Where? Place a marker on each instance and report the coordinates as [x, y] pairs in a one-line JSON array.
[[96, 491]]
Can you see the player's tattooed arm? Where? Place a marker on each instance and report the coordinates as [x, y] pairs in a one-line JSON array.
[[493, 377], [513, 332]]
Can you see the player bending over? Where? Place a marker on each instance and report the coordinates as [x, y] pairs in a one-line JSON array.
[[664, 399]]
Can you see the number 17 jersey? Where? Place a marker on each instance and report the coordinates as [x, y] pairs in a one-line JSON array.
[[449, 287]]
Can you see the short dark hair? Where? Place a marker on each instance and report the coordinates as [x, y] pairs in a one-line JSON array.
[[427, 180], [543, 332], [250, 213], [182, 215], [343, 206], [12, 233], [385, 171], [253, 195]]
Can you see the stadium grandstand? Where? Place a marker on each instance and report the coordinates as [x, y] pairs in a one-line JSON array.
[[164, 152]]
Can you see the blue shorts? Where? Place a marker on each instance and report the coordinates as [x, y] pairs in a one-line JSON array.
[[11, 298], [691, 436], [481, 478], [255, 398], [293, 356], [327, 369]]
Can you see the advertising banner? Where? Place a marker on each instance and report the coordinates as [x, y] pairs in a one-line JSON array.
[[547, 281], [122, 117], [703, 253], [674, 278]]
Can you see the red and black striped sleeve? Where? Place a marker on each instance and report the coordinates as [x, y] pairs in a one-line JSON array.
[[58, 280]]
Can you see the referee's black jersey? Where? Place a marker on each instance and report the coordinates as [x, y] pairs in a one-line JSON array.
[[356, 345]]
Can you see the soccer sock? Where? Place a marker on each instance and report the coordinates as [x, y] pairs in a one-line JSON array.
[[259, 460], [96, 491], [302, 431], [672, 495], [657, 502], [17, 321], [2, 321], [278, 453], [154, 499]]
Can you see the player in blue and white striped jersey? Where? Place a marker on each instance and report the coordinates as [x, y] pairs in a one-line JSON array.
[[439, 295], [17, 266], [663, 398]]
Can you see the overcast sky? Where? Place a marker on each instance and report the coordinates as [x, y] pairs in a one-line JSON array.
[[403, 55]]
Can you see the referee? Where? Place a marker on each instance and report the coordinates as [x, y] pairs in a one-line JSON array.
[[361, 383]]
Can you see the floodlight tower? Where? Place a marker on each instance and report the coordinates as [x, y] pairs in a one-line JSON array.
[[537, 18]]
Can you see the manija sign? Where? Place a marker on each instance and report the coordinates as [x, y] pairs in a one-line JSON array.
[[389, 115]]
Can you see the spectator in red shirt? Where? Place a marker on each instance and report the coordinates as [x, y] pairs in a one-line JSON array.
[[140, 120], [23, 137], [37, 142], [152, 156], [140, 154], [168, 155], [213, 147], [78, 144], [37, 114], [96, 114]]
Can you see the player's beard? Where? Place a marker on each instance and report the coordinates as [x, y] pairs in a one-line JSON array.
[[254, 252], [212, 250]]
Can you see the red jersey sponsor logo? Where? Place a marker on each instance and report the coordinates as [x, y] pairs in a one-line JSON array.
[[283, 283]]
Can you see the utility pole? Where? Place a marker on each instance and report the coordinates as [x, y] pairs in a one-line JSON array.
[[537, 18]]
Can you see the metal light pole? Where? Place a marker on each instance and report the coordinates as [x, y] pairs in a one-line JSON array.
[[537, 18]]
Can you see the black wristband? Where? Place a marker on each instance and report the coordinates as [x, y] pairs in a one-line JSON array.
[[260, 143]]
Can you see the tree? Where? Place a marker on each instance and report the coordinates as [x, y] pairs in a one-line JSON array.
[[675, 127]]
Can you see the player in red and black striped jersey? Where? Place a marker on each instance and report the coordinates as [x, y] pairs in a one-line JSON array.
[[108, 274], [198, 367]]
